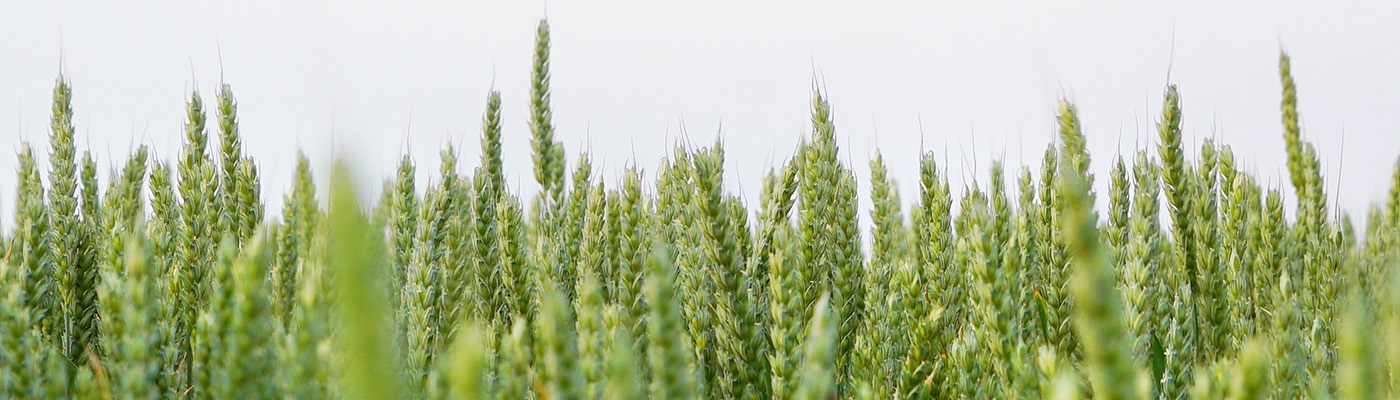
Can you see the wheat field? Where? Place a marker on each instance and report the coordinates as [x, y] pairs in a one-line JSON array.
[[1194, 283]]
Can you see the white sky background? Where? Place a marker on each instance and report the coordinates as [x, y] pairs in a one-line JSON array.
[[972, 80]]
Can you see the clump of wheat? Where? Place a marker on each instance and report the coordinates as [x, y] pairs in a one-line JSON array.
[[172, 283]]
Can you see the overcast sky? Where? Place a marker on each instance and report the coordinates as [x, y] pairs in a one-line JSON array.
[[972, 81]]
